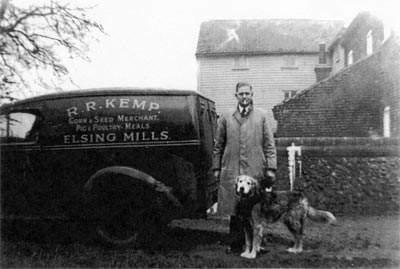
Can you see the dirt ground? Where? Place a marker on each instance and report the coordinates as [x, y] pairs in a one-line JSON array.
[[356, 242], [353, 237]]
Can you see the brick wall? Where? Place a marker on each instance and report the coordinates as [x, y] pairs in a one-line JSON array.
[[390, 82], [347, 185], [356, 175], [348, 104]]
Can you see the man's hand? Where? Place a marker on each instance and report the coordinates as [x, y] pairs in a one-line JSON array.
[[217, 174], [269, 178], [270, 174]]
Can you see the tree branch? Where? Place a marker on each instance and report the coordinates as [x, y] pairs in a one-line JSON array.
[[30, 38]]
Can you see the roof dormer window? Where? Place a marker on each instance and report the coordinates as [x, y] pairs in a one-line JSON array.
[[350, 57], [386, 122], [370, 43]]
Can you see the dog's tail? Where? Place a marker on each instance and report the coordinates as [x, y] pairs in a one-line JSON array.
[[321, 216]]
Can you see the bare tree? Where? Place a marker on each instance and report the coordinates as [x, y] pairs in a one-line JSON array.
[[37, 38]]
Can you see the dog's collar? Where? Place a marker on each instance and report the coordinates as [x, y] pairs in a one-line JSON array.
[[252, 198], [246, 204], [246, 196]]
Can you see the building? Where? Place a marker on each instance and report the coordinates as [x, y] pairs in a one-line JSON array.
[[347, 124], [361, 38], [278, 57], [360, 98]]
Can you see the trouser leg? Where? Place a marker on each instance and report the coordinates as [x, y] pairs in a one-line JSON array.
[[236, 234]]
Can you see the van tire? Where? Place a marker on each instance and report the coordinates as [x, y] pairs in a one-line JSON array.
[[127, 210], [127, 225]]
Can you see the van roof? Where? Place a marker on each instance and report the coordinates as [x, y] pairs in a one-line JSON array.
[[108, 91]]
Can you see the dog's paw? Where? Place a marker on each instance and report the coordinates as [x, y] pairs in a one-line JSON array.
[[294, 250], [244, 254], [248, 255], [263, 250]]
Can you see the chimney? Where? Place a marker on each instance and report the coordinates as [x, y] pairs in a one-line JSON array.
[[322, 70], [322, 53]]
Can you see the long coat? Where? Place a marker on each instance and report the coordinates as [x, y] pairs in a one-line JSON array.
[[244, 146]]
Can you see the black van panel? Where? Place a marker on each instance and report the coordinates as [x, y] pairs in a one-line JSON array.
[[166, 134]]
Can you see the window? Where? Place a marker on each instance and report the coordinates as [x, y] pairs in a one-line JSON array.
[[387, 31], [240, 62], [289, 62], [289, 94], [16, 127], [370, 44], [350, 57], [386, 122]]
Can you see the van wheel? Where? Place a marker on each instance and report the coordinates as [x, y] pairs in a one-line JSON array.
[[128, 219], [121, 227]]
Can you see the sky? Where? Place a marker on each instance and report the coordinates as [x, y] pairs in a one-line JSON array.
[[152, 43]]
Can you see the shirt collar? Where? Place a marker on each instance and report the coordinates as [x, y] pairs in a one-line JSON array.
[[244, 110]]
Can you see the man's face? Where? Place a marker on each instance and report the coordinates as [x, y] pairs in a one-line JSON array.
[[244, 95]]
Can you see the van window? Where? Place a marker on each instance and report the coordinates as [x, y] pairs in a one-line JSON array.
[[134, 120], [16, 127]]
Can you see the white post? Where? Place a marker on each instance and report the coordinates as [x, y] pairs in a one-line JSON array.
[[292, 150]]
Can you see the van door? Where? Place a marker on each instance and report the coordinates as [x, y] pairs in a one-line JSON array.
[[207, 120], [20, 154]]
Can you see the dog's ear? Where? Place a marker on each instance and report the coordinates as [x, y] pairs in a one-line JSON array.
[[237, 180], [254, 185]]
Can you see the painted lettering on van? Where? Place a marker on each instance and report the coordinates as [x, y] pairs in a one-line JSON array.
[[145, 136], [72, 111], [77, 120], [139, 136], [130, 118], [114, 103], [89, 138]]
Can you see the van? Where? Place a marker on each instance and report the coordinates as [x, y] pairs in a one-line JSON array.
[[120, 159]]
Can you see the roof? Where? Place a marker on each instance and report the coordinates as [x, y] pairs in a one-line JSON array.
[[337, 39], [316, 85], [219, 37], [360, 19], [393, 39], [105, 91]]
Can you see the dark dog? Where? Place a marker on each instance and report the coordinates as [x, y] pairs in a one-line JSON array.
[[257, 209]]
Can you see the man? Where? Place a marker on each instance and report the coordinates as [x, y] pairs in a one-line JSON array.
[[244, 146]]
